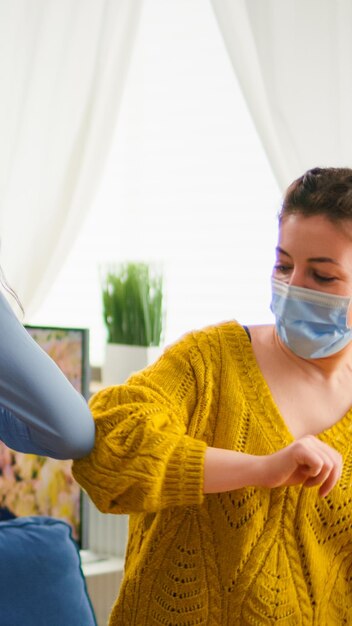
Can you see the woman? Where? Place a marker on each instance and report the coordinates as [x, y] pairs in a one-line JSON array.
[[232, 453], [40, 411]]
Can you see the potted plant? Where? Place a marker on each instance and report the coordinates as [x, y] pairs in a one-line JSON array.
[[133, 310]]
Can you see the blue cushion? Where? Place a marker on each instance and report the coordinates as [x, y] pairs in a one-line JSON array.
[[41, 581]]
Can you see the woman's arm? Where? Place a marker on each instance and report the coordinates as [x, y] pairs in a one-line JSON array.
[[40, 411], [150, 453], [307, 461], [146, 456]]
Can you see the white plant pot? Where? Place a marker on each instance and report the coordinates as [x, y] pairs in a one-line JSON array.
[[122, 360]]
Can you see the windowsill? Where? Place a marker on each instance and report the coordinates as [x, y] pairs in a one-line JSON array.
[[106, 565]]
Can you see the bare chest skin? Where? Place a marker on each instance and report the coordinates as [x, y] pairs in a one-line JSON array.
[[309, 400]]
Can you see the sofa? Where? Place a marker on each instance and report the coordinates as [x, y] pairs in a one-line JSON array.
[[41, 580]]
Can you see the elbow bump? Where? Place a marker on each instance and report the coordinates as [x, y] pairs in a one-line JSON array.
[[78, 442], [83, 444]]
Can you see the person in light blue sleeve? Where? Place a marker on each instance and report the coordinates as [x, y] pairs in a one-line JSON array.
[[40, 411]]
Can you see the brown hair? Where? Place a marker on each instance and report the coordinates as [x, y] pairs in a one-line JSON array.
[[320, 191]]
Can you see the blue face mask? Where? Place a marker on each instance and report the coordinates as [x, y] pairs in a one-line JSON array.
[[313, 324]]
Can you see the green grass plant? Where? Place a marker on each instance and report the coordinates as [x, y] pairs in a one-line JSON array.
[[133, 310]]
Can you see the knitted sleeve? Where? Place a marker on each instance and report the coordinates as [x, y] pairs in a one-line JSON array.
[[147, 455]]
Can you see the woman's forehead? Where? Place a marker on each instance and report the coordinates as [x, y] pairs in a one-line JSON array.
[[316, 234]]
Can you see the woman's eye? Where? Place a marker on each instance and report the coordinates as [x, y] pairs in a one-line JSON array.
[[282, 268]]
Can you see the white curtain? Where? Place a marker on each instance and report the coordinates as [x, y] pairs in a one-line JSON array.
[[62, 68], [293, 59]]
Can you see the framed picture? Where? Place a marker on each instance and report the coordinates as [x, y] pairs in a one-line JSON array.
[[69, 348], [35, 485]]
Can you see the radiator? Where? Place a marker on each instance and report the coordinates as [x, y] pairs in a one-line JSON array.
[[106, 537], [107, 534]]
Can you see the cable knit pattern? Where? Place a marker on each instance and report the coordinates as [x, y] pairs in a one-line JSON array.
[[248, 557]]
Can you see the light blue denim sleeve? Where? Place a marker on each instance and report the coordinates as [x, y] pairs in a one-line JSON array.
[[40, 411]]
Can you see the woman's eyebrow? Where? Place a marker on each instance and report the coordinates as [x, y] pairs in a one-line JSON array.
[[282, 251], [315, 259]]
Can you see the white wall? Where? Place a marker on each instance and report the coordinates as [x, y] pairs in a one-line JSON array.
[[187, 183]]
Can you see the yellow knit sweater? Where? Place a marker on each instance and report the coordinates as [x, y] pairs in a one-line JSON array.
[[253, 556]]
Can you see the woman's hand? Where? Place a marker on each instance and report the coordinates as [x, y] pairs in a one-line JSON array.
[[307, 461]]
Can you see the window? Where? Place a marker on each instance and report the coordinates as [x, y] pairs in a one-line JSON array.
[[187, 183]]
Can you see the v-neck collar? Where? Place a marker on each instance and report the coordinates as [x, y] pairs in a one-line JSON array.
[[339, 434]]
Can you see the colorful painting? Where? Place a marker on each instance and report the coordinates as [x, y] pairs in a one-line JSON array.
[[65, 347], [36, 485]]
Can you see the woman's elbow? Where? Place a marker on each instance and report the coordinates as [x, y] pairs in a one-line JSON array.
[[83, 446], [78, 441]]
